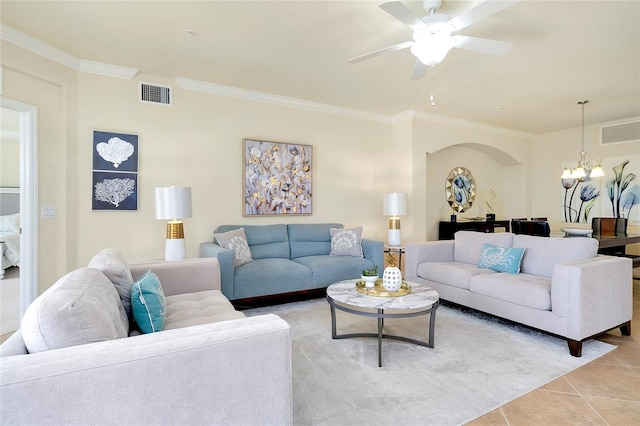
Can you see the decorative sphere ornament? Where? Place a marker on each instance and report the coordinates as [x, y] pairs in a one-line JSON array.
[[392, 278]]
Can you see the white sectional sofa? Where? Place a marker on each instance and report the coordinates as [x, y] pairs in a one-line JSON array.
[[79, 360], [564, 287]]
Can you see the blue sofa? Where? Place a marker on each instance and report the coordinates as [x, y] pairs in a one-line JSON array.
[[288, 258]]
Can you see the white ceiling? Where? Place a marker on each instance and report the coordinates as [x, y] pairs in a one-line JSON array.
[[564, 52]]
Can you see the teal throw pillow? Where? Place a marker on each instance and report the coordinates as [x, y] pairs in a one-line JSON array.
[[148, 303], [501, 259]]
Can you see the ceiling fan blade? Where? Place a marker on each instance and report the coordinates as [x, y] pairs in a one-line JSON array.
[[419, 70], [373, 54], [482, 45], [402, 14], [480, 12]]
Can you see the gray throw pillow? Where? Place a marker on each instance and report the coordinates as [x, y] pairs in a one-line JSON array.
[[236, 240], [113, 264], [81, 307], [346, 242]]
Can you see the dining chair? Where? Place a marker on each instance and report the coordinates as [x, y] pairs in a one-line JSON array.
[[609, 225], [539, 219], [529, 227]]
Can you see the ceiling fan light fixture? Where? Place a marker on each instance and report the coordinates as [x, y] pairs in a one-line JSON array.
[[431, 50]]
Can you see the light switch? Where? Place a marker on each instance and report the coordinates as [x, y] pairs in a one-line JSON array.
[[48, 213]]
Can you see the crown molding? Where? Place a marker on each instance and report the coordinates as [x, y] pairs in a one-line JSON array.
[[54, 54], [38, 47], [458, 122], [252, 95], [107, 70]]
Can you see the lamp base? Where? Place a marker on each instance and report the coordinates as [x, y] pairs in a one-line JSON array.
[[174, 249], [394, 237]]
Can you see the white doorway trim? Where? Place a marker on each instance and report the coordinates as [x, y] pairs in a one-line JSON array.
[[28, 199]]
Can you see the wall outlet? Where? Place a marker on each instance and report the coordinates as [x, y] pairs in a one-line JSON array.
[[48, 213]]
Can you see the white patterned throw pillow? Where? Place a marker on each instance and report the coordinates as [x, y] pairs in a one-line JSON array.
[[346, 242], [236, 240]]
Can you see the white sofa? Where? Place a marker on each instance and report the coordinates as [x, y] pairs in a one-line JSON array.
[[564, 287], [210, 364]]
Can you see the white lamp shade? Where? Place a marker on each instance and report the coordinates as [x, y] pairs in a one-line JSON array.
[[395, 204], [173, 202]]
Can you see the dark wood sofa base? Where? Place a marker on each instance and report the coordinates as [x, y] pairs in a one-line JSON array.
[[575, 347], [278, 299]]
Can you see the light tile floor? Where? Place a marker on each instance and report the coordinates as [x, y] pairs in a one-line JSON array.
[[604, 392]]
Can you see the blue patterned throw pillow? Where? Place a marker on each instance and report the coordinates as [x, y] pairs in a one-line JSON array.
[[501, 259], [148, 303]]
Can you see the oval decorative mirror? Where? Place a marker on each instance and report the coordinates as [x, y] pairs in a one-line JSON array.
[[460, 189]]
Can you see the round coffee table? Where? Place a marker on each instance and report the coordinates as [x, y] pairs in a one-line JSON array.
[[421, 301]]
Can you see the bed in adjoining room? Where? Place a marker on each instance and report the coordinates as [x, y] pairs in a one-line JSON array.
[[9, 227]]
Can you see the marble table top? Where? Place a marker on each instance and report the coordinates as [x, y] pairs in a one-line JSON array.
[[421, 297]]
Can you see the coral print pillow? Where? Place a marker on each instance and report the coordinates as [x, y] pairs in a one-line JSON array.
[[501, 259], [346, 242], [236, 240]]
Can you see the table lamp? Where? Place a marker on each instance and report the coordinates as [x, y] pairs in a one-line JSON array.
[[174, 203], [395, 204]]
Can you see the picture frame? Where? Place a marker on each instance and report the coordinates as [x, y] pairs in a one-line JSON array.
[[277, 178], [460, 189], [115, 171]]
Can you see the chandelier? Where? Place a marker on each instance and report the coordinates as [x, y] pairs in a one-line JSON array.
[[583, 168]]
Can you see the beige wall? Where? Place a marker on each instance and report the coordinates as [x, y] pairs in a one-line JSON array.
[[198, 143], [52, 89], [497, 158], [554, 150]]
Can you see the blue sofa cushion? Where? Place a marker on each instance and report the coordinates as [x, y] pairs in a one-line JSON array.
[[329, 269], [270, 276], [310, 239], [501, 259], [265, 241]]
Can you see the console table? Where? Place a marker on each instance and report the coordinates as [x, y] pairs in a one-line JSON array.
[[447, 229]]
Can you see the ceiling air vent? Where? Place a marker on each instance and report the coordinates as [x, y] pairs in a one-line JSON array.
[[626, 132], [155, 94]]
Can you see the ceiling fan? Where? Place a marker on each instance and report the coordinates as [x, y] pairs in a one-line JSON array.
[[432, 35]]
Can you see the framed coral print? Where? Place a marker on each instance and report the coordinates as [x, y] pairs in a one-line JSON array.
[[115, 171], [277, 178]]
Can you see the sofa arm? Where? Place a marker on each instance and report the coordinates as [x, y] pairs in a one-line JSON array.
[[227, 266], [428, 251], [594, 295], [182, 276], [230, 372], [374, 251]]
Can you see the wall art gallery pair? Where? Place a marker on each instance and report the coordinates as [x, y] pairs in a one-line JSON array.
[[115, 171]]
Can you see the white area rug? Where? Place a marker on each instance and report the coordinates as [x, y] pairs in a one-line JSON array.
[[478, 364]]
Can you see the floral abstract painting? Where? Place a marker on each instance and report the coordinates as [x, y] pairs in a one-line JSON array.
[[115, 171], [277, 178], [617, 194]]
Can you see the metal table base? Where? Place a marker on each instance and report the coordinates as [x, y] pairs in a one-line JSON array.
[[381, 315]]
